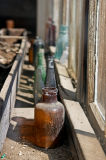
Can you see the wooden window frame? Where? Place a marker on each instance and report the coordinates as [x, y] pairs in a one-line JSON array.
[[91, 64]]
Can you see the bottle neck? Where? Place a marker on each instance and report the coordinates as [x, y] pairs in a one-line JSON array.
[[40, 59], [49, 94], [49, 98]]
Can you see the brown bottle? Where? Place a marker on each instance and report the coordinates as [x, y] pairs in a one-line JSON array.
[[31, 55], [49, 119]]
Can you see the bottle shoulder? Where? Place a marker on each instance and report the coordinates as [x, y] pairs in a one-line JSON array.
[[49, 106]]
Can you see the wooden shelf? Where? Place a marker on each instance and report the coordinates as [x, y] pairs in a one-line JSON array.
[[86, 142]]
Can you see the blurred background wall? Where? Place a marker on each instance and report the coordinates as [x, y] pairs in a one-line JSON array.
[[24, 13]]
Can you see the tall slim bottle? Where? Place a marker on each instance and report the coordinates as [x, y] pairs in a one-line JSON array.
[[40, 76], [50, 35], [50, 78], [62, 41], [38, 44]]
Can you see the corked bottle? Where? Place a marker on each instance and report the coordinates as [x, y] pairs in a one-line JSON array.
[[49, 119]]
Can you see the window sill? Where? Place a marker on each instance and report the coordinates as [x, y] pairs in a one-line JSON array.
[[86, 143]]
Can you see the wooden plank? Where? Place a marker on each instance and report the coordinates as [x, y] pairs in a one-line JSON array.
[[92, 23], [9, 37], [98, 116], [81, 50], [66, 83], [65, 12], [13, 92], [72, 37], [61, 69], [7, 97], [101, 51], [4, 122], [97, 122], [57, 10], [87, 145]]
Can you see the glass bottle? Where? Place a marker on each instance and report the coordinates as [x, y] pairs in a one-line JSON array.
[[38, 44], [64, 57], [52, 32], [31, 52], [50, 35], [39, 77], [49, 119], [50, 78], [62, 41]]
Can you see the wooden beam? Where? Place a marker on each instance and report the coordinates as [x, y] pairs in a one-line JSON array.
[[56, 14], [66, 4], [87, 145], [92, 23]]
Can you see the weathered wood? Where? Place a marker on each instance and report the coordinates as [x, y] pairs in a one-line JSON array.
[[65, 12], [14, 32], [43, 12], [66, 83], [61, 69], [92, 22], [97, 122], [86, 143], [9, 37], [83, 133], [97, 115], [96, 71], [65, 86], [72, 37], [101, 51], [76, 36], [8, 93], [56, 14], [81, 49], [76, 45]]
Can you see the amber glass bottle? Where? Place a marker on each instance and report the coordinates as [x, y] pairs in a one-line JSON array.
[[31, 55], [49, 119]]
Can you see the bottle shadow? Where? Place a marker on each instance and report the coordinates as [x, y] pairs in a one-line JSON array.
[[23, 133]]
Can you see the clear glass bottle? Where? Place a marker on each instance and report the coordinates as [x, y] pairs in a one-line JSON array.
[[62, 41], [49, 119], [64, 57]]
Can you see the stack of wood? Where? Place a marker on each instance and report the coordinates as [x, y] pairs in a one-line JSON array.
[[8, 51]]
